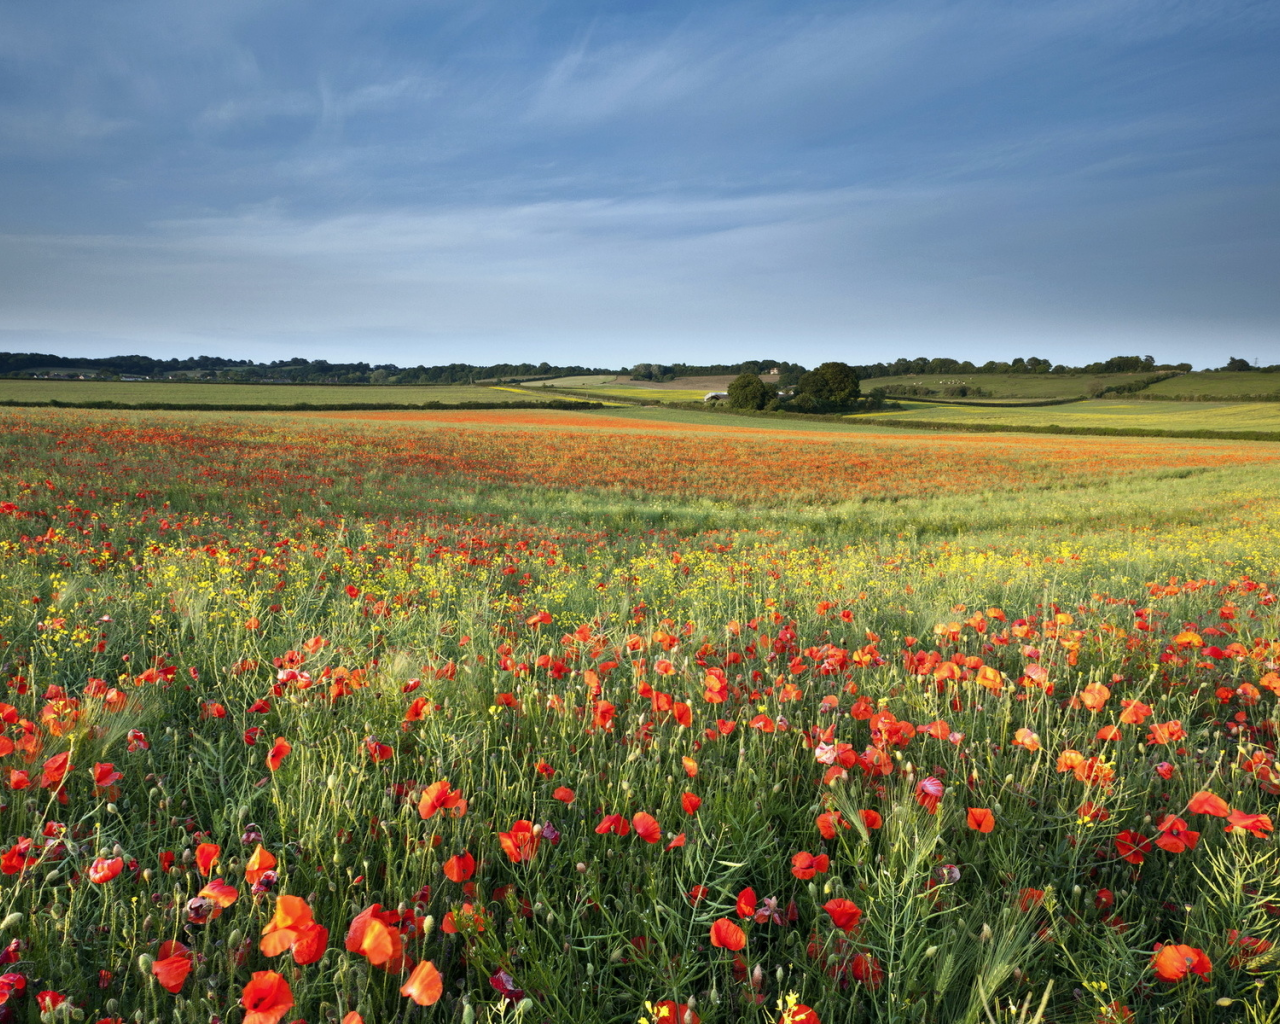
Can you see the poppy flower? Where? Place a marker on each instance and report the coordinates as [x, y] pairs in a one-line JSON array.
[[1174, 836], [676, 843], [929, 793], [103, 870], [747, 903], [258, 865], [866, 969], [980, 819], [647, 827], [871, 819], [293, 928], [1172, 963], [670, 1012], [564, 794], [439, 797], [460, 867], [266, 998], [1026, 739], [1255, 824], [805, 865], [690, 766], [371, 937], [1029, 898], [845, 914], [172, 965], [1132, 846], [277, 754], [470, 915], [615, 823], [220, 894], [425, 986], [799, 1013], [206, 857], [727, 935], [521, 843], [690, 802], [828, 821], [1206, 802]]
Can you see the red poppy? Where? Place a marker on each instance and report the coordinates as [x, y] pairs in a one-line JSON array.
[[521, 843], [1174, 836], [103, 870], [293, 928], [564, 794], [727, 935], [845, 914], [439, 797], [690, 802], [670, 1012], [799, 1014], [460, 867], [277, 754], [614, 823], [1132, 846], [1205, 802], [647, 827], [1172, 963], [206, 857], [806, 865], [1255, 824], [980, 819], [746, 903], [266, 998], [929, 793], [425, 986], [172, 965], [871, 819], [258, 865], [866, 969]]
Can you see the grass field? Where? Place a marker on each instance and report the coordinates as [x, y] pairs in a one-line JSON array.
[[1011, 385], [1128, 414], [134, 392], [633, 715], [628, 391], [1219, 385]]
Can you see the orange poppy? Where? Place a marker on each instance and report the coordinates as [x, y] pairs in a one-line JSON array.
[[172, 965], [647, 827], [425, 986], [438, 797], [980, 819], [725, 934], [206, 857], [258, 865], [266, 998], [460, 867], [277, 754], [1171, 963], [1205, 802], [521, 843], [103, 870]]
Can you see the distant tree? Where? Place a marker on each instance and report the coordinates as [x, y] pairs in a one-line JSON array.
[[1238, 365], [749, 392], [829, 388]]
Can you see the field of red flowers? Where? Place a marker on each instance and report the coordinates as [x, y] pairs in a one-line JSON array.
[[490, 716]]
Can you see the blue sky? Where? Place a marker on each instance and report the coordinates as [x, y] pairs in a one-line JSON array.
[[613, 182]]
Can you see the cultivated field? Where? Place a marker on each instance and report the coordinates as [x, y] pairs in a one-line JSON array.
[[633, 716], [1028, 386], [1128, 414], [1219, 385], [167, 392]]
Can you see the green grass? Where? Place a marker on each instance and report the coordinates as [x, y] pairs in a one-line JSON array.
[[136, 392], [1218, 385], [1012, 385], [637, 391], [1126, 414]]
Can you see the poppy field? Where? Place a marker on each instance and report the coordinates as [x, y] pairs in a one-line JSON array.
[[542, 716]]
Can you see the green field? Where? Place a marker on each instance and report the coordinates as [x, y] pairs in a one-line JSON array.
[[584, 381], [633, 392], [1129, 415], [1028, 386], [140, 392], [1219, 385]]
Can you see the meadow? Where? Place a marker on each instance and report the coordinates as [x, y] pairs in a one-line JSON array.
[[1012, 386], [1107, 413], [1220, 385], [177, 393], [633, 717]]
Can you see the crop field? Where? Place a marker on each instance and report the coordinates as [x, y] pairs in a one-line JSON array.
[[620, 717], [1011, 385], [1219, 385], [167, 392], [1123, 413], [631, 391]]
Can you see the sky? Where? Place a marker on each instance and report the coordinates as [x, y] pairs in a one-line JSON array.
[[605, 183]]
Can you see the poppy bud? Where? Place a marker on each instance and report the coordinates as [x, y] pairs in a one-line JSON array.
[[931, 951], [148, 923], [117, 850], [144, 964], [1008, 779], [581, 868], [777, 787], [235, 938], [148, 875], [428, 923], [112, 809], [757, 977], [1225, 1001], [778, 974], [12, 921], [524, 1006], [468, 1014], [591, 969], [986, 933], [1076, 890]]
